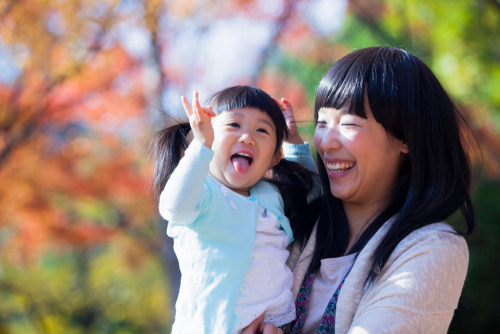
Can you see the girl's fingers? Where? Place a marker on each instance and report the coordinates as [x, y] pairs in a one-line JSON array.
[[287, 104], [197, 108], [199, 112], [286, 107], [269, 329], [186, 106], [208, 111], [279, 103], [252, 328]]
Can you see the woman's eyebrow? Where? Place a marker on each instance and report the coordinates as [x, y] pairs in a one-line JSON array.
[[343, 110]]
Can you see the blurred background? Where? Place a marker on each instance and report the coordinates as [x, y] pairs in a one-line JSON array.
[[84, 85]]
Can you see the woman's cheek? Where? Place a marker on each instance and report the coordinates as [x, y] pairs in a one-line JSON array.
[[317, 141]]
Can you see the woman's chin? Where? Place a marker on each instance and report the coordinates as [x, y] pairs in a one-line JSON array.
[[341, 192]]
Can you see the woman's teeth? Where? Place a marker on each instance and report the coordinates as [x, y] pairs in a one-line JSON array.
[[339, 167]]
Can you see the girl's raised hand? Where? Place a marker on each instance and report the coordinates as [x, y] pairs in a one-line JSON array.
[[199, 119], [286, 107]]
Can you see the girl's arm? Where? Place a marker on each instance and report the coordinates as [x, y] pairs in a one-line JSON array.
[[294, 148], [299, 153], [185, 192], [183, 197], [302, 155]]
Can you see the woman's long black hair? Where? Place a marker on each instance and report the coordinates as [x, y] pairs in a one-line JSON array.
[[292, 180], [437, 176]]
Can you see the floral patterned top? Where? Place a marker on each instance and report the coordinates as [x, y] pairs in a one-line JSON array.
[[327, 324]]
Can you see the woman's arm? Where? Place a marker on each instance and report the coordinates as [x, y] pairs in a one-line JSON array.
[[419, 290]]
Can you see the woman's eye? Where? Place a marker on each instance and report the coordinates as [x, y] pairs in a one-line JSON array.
[[234, 125], [262, 130], [321, 123]]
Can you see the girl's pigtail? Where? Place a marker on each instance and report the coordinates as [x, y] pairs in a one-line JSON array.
[[295, 183], [167, 149]]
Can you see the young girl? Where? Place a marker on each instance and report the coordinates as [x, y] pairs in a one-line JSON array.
[[230, 224]]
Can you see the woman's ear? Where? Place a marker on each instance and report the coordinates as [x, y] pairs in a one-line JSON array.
[[276, 158], [404, 147]]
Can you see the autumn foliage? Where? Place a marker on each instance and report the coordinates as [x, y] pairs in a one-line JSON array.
[[85, 87]]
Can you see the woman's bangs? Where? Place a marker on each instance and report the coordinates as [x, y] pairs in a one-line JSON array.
[[343, 84]]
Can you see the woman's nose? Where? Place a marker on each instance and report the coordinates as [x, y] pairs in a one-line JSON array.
[[331, 140]]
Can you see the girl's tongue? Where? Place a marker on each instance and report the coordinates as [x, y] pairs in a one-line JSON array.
[[240, 164]]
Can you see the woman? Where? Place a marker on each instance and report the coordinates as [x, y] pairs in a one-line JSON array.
[[373, 255]]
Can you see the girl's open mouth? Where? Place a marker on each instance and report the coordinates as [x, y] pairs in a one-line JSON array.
[[241, 161]]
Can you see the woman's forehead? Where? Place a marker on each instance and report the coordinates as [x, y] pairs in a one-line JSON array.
[[326, 110]]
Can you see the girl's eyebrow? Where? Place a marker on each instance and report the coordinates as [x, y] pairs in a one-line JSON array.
[[266, 121], [238, 115]]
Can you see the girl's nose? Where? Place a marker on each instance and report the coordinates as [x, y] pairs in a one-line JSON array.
[[246, 138], [331, 141]]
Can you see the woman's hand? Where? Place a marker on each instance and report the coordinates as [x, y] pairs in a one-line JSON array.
[[286, 107], [199, 119], [256, 327]]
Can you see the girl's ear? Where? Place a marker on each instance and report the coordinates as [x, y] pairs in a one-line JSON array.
[[276, 158]]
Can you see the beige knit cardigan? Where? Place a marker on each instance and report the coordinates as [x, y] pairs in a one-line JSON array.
[[417, 291]]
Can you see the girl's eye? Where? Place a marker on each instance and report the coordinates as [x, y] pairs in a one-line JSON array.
[[262, 130], [348, 124], [234, 125], [321, 123]]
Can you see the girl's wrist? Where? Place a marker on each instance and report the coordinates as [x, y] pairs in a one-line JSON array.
[[204, 142], [296, 140]]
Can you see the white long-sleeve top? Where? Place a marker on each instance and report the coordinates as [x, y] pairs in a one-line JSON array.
[[268, 281]]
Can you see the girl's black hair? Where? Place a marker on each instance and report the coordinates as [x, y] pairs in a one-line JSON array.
[[436, 178], [292, 179]]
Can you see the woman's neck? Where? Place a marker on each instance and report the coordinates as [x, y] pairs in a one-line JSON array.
[[359, 217]]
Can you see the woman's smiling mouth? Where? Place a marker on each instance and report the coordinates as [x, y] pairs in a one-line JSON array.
[[339, 167]]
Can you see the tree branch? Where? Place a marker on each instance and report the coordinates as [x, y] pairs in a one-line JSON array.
[[496, 3], [32, 122], [278, 29], [7, 10]]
